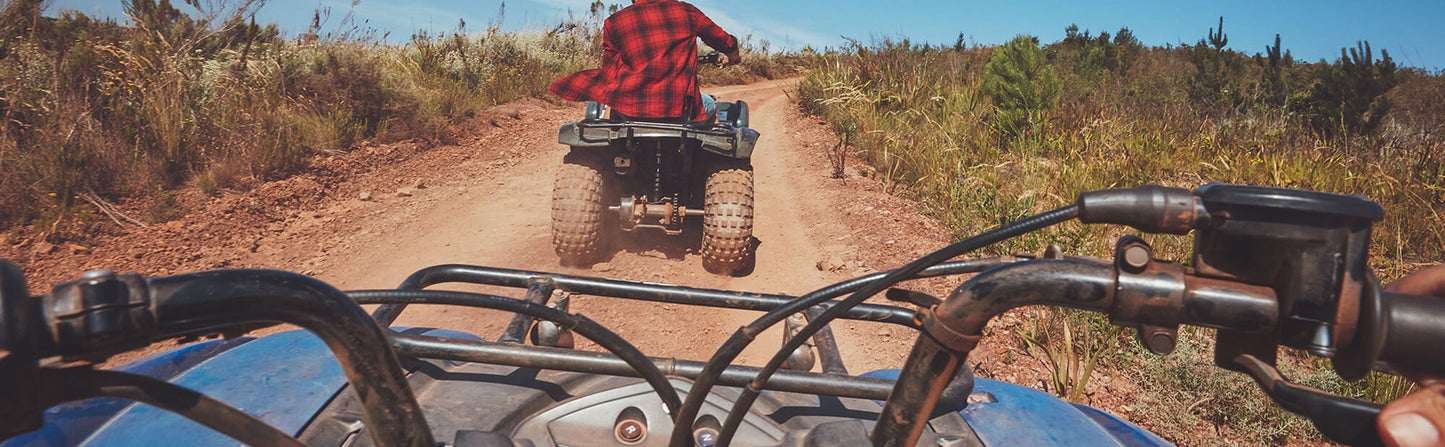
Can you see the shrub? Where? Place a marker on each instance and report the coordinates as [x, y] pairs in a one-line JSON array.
[[1023, 86], [1216, 83], [1348, 95]]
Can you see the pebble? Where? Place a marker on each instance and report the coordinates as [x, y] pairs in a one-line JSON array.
[[831, 264], [44, 248], [404, 192]]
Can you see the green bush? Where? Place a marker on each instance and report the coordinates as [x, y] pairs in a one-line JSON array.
[[1023, 86], [1349, 94]]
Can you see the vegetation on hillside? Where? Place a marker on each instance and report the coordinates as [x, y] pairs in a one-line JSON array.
[[96, 110], [944, 124]]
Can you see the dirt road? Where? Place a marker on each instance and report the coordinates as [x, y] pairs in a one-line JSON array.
[[488, 203], [368, 218]]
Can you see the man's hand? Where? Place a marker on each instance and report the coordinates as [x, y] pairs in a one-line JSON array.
[[1417, 419], [732, 58]]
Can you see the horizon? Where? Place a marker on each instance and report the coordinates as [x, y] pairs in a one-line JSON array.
[[1311, 31]]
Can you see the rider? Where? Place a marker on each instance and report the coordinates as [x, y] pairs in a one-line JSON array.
[[649, 63], [1418, 420]]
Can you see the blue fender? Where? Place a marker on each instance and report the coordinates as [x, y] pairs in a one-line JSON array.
[[1020, 415], [282, 379]]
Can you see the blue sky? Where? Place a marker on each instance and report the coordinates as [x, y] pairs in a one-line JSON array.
[[1410, 29]]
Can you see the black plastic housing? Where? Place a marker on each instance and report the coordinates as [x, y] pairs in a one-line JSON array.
[[1309, 246]]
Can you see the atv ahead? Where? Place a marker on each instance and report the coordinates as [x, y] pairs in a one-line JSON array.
[[626, 175]]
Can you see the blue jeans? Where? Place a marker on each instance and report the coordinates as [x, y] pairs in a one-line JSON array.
[[709, 105]]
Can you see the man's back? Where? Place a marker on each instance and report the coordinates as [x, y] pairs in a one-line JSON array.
[[649, 61]]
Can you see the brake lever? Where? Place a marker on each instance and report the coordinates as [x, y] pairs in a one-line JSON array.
[[1342, 419]]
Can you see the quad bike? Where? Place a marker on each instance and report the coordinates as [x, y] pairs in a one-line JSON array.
[[1271, 267], [631, 174]]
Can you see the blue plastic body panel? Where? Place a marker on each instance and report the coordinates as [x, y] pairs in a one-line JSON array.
[[71, 423], [1025, 416], [282, 379]]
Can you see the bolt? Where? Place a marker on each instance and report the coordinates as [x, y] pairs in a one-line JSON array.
[[1136, 256], [98, 275], [1161, 342]]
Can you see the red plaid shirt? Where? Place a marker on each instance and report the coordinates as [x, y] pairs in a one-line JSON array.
[[649, 61]]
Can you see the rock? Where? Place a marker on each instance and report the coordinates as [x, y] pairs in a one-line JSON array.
[[831, 264], [44, 248], [602, 267], [78, 249], [418, 184], [365, 196], [404, 192]]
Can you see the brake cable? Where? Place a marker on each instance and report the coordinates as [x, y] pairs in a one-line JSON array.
[[744, 336]]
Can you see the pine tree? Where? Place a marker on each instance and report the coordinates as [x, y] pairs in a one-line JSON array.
[[1023, 85], [1216, 70], [1218, 41], [1349, 95], [1272, 76]]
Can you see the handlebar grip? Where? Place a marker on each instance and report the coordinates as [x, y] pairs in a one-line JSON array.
[[1414, 328]]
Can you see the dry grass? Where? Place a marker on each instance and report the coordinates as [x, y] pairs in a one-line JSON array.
[[220, 103], [916, 114]]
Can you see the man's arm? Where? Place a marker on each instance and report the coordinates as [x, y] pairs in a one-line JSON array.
[[714, 36], [609, 49]]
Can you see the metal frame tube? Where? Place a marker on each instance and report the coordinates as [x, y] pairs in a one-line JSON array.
[[538, 292], [496, 353], [581, 324], [1068, 282], [614, 288]]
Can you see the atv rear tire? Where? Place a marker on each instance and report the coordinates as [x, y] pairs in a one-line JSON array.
[[577, 213], [727, 222]]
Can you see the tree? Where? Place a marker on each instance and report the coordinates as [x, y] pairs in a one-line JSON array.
[[1216, 69], [1022, 84], [1272, 76], [1218, 41], [1348, 95]]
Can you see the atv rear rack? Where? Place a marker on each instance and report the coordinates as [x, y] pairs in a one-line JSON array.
[[721, 139]]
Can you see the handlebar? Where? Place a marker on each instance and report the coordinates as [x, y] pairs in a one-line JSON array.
[[1271, 267], [104, 314], [710, 58]]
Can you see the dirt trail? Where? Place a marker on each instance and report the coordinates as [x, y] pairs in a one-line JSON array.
[[368, 218], [496, 213]]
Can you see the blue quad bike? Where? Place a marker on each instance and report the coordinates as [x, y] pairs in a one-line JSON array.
[[636, 175], [1271, 267]]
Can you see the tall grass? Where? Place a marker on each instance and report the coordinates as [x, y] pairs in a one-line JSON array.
[[916, 114]]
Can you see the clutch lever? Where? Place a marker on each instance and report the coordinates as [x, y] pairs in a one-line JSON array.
[[1342, 419]]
